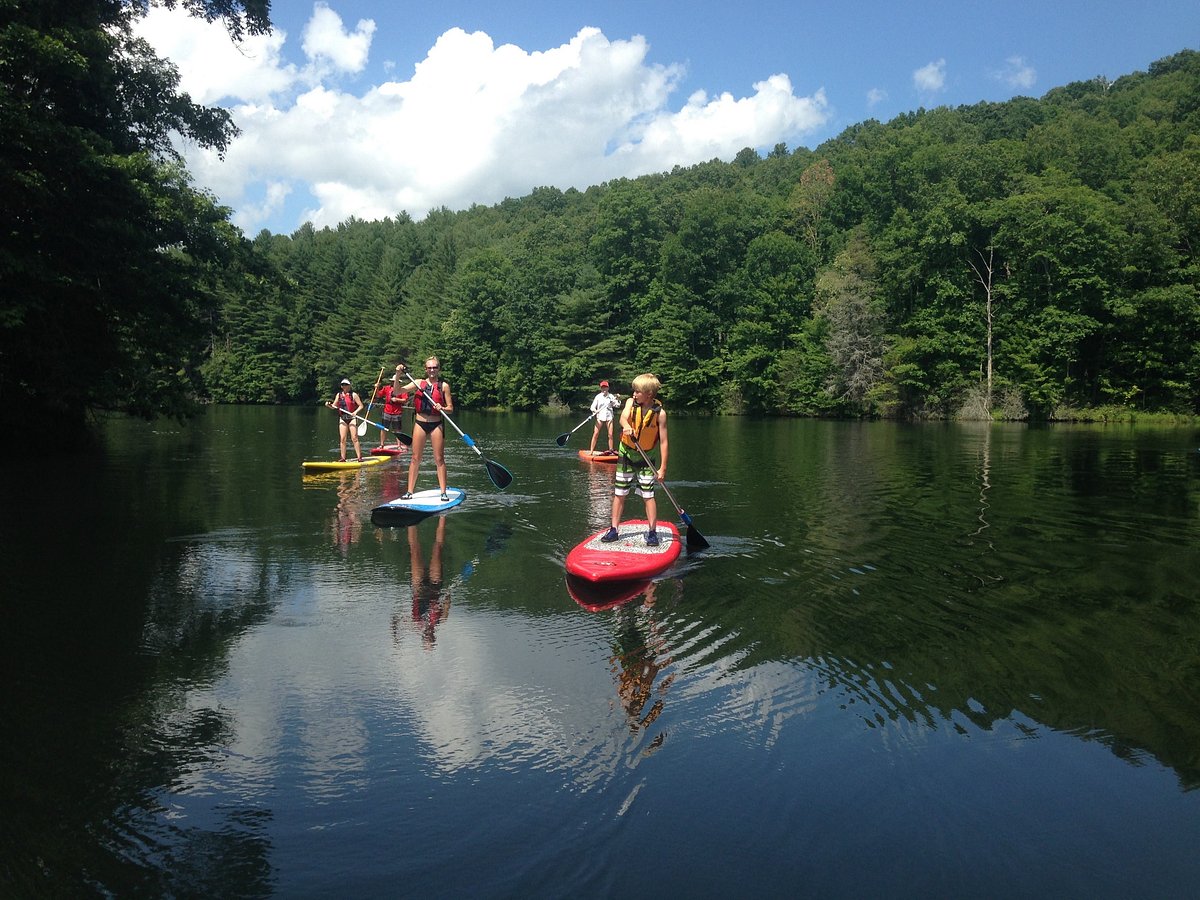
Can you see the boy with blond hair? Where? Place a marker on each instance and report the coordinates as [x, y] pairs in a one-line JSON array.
[[644, 428]]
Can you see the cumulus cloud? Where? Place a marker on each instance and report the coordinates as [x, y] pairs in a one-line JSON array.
[[212, 68], [875, 96], [326, 38], [1016, 74], [474, 123], [931, 78]]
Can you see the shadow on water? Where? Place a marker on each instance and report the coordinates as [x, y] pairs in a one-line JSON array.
[[895, 631]]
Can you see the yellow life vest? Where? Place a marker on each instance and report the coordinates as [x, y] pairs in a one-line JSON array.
[[645, 427]]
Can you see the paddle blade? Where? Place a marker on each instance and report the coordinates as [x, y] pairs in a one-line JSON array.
[[695, 540], [362, 427], [561, 440], [500, 476]]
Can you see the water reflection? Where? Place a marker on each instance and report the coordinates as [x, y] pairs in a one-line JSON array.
[[600, 480], [985, 484], [430, 602], [347, 522], [640, 654], [597, 597], [232, 716]]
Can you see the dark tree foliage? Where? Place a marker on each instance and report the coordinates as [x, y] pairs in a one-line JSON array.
[[111, 263]]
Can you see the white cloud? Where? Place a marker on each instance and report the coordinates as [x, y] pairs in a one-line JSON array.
[[212, 68], [1017, 74], [931, 78], [875, 96], [325, 38], [274, 196], [475, 122]]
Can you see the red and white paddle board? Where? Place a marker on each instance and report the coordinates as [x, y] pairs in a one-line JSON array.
[[629, 557]]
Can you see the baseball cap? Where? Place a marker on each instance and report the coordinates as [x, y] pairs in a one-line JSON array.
[[345, 381], [604, 384]]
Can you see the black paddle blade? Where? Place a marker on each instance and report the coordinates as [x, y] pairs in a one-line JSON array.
[[500, 476], [695, 540], [561, 440], [405, 439]]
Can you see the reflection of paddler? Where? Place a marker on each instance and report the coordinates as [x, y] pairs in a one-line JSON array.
[[600, 491], [393, 481], [346, 525], [430, 602], [637, 663]]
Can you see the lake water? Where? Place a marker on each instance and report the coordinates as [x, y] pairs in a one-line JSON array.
[[939, 660]]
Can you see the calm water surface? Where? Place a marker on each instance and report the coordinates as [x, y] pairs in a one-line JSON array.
[[916, 660]]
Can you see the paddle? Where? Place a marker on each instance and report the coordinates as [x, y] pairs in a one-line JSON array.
[[695, 540], [362, 426], [561, 440], [405, 439], [499, 475]]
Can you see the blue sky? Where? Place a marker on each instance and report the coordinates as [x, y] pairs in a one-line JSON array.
[[372, 108]]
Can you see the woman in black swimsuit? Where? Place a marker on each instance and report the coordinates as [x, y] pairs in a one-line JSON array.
[[432, 396]]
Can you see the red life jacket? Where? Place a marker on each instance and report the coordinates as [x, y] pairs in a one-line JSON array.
[[421, 399], [345, 400]]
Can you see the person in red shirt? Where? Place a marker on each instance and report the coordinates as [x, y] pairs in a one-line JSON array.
[[394, 400]]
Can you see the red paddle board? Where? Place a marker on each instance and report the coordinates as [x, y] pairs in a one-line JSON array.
[[629, 557], [389, 450], [600, 456]]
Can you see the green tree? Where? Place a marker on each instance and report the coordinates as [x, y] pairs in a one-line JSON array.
[[474, 333], [1063, 246], [775, 286], [110, 262], [849, 303]]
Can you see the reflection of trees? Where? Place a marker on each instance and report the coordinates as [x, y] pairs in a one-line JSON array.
[[975, 574], [985, 484], [90, 820]]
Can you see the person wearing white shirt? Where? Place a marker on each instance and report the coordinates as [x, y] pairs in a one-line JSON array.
[[602, 408]]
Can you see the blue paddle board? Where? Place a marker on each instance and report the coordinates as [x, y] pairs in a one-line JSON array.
[[417, 507]]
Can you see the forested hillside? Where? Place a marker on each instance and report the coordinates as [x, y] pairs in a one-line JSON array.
[[1012, 259], [1021, 259]]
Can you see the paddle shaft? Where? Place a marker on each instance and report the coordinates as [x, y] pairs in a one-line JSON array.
[[562, 438], [428, 394], [403, 438], [496, 472], [694, 537], [362, 427]]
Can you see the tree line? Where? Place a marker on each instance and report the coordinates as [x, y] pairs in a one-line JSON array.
[[1016, 259], [1023, 260]]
